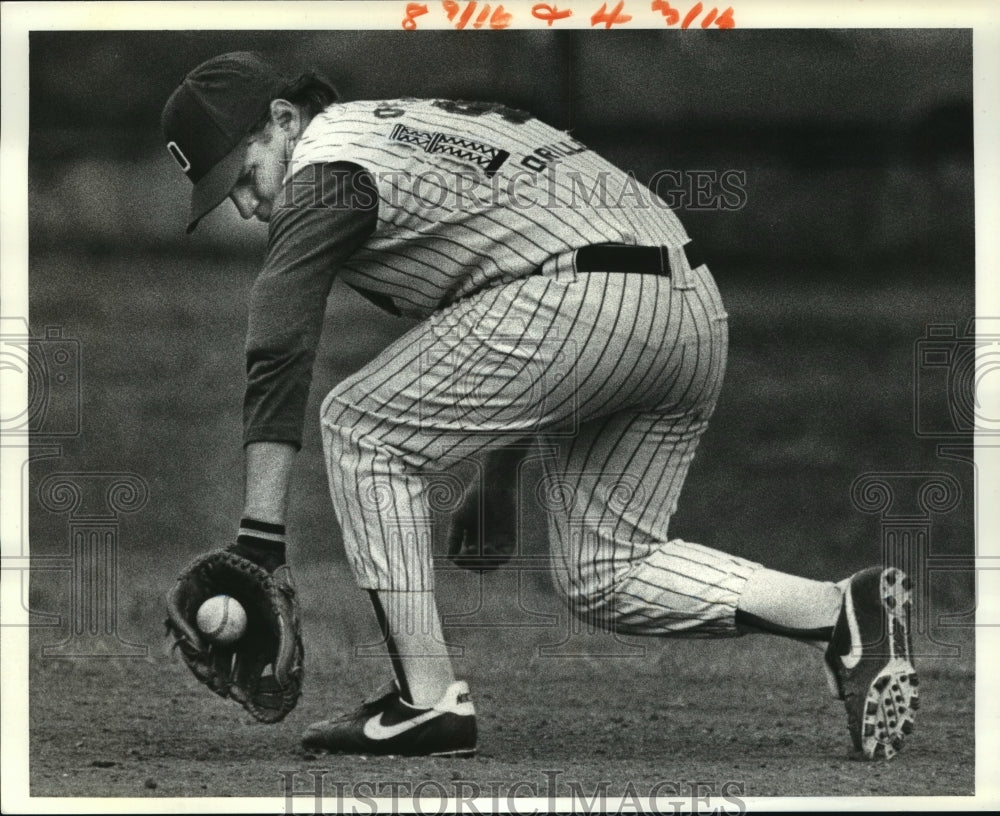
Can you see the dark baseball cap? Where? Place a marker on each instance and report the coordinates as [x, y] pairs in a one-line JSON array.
[[207, 119]]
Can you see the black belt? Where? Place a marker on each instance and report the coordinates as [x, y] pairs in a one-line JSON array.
[[624, 258]]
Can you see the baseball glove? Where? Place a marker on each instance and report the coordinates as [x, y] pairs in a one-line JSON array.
[[272, 639], [484, 543]]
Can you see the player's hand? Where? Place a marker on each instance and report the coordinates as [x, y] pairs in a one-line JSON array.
[[483, 539], [272, 638]]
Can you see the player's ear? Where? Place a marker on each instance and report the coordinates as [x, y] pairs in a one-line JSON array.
[[287, 116]]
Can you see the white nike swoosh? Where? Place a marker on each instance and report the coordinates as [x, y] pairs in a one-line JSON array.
[[373, 729], [853, 657]]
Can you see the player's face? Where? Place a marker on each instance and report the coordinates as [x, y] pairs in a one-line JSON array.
[[263, 173]]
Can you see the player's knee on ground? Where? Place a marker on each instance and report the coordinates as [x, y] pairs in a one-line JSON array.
[[629, 603]]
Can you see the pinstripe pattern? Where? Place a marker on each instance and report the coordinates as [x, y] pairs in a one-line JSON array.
[[434, 245], [616, 375]]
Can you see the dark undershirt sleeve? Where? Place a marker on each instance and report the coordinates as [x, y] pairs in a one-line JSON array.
[[322, 215]]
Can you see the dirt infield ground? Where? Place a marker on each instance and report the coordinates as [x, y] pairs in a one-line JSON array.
[[754, 714], [819, 391]]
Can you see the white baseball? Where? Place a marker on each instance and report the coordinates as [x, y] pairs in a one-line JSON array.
[[222, 619]]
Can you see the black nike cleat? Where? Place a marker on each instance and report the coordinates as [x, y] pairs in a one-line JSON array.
[[870, 664], [388, 725]]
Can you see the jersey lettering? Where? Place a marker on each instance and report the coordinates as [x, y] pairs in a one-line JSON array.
[[541, 157]]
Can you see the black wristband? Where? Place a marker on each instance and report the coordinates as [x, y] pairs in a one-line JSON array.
[[261, 542], [263, 530]]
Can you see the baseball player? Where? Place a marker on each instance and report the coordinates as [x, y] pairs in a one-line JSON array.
[[558, 300]]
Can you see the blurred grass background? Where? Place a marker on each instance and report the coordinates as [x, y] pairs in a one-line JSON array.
[[856, 234]]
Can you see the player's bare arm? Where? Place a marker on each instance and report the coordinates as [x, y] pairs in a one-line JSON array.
[[268, 473]]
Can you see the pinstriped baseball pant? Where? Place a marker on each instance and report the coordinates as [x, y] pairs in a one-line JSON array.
[[616, 376]]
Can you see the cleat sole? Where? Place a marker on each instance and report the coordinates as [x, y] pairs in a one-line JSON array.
[[881, 690]]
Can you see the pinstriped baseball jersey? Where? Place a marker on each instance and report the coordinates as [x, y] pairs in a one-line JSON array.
[[615, 375], [472, 194]]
